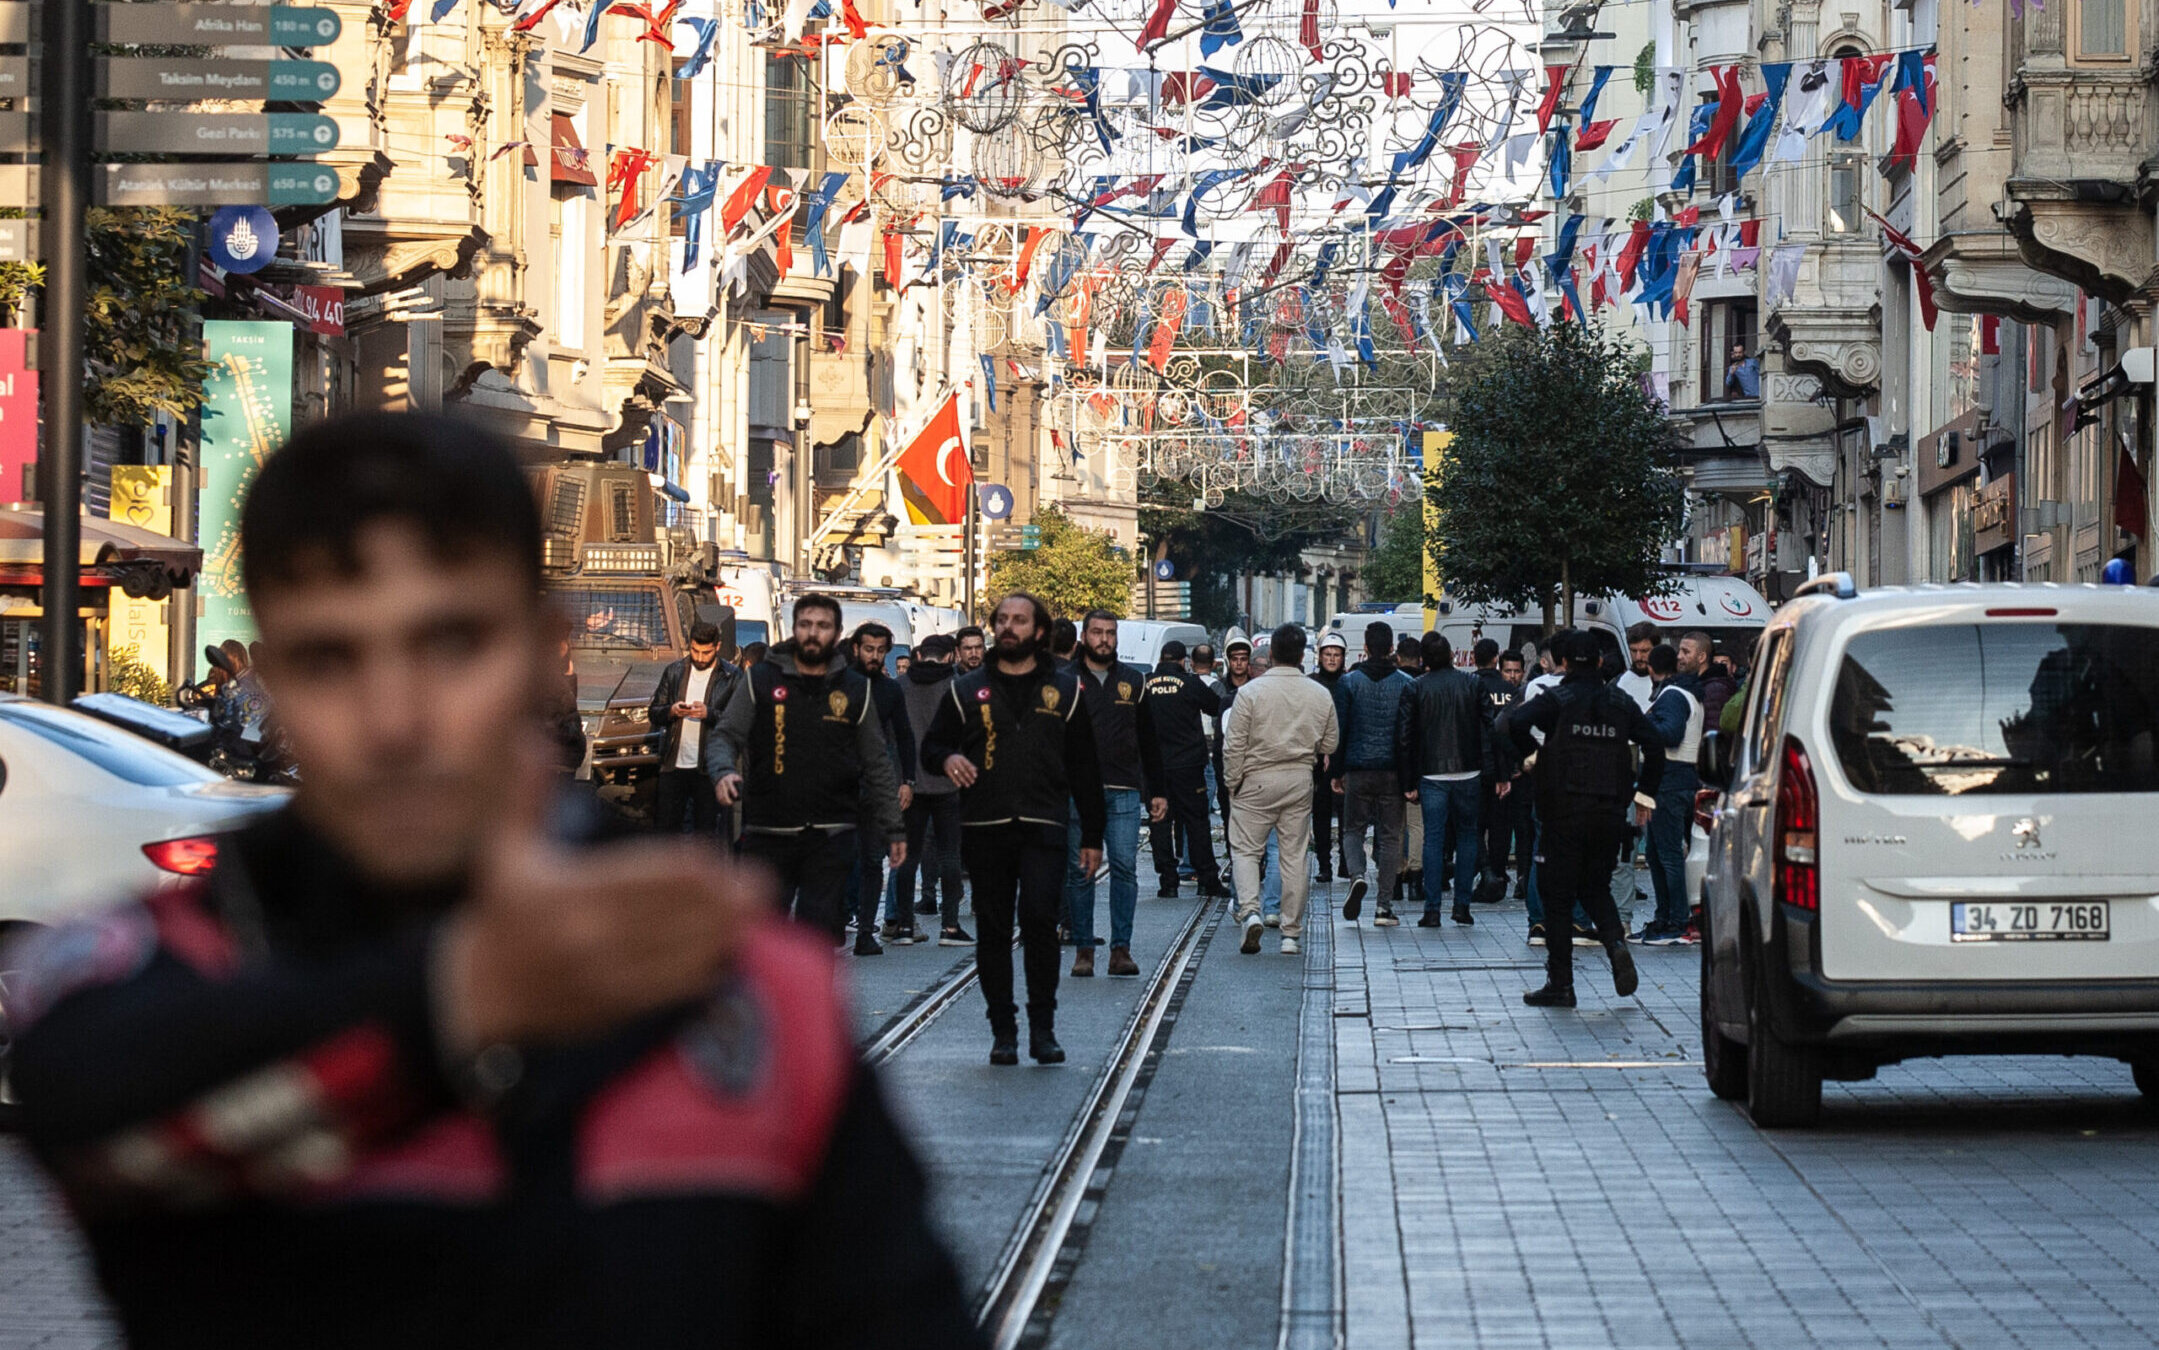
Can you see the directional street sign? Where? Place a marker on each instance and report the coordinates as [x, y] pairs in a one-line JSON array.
[[14, 72], [18, 240], [217, 25], [170, 78], [240, 184], [232, 135]]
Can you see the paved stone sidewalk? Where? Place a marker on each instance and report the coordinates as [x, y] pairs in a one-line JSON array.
[[1522, 1177]]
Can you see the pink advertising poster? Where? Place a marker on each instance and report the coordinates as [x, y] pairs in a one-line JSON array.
[[18, 416]]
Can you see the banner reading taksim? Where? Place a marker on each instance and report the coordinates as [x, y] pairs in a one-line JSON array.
[[246, 414], [935, 474]]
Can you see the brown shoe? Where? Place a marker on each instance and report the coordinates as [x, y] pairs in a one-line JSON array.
[[1121, 962], [1083, 963]]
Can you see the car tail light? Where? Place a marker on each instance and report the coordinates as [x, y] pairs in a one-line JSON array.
[[1799, 873], [1705, 808], [189, 857]]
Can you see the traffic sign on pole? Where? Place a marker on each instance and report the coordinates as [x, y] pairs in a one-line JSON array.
[[231, 135], [241, 184], [215, 25], [186, 78]]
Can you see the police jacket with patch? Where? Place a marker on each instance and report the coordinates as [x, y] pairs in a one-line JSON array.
[[240, 1089], [1499, 697], [1178, 706], [1033, 747], [1124, 733], [814, 754], [1586, 764]]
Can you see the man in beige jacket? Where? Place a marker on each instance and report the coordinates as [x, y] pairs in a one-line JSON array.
[[1277, 730]]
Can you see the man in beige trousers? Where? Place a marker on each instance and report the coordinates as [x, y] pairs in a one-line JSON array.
[[1277, 730]]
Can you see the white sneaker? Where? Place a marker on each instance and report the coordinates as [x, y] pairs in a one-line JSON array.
[[1274, 921], [1290, 947], [1252, 929]]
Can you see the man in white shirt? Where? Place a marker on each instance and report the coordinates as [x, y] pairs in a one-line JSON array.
[[1636, 681], [685, 707]]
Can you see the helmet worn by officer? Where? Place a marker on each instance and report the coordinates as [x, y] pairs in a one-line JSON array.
[[421, 1062]]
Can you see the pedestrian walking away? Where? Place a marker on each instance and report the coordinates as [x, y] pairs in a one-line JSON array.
[[1180, 709], [1280, 726], [933, 813], [814, 768], [1444, 752], [1676, 712], [1326, 803], [869, 646], [691, 698], [1365, 703], [1583, 772], [1131, 766], [1496, 695], [1015, 737], [1409, 881], [436, 1056]]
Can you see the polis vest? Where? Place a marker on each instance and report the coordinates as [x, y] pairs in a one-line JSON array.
[[1588, 757], [803, 765], [1016, 737]]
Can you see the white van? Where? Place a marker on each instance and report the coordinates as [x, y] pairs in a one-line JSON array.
[[1139, 641], [1733, 613], [754, 593]]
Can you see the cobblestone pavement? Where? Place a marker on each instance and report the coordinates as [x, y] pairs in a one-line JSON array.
[[46, 1299], [1522, 1177]]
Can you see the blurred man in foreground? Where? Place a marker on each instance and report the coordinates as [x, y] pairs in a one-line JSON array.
[[418, 1063]]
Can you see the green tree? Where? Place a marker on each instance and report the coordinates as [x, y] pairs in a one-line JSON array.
[[1074, 570], [1559, 481], [1395, 570], [127, 673], [142, 356]]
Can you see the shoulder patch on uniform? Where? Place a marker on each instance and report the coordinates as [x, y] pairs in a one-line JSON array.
[[779, 693]]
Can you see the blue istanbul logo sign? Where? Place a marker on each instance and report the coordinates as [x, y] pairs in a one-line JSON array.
[[243, 238]]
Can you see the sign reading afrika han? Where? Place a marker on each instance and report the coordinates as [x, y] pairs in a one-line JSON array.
[[246, 414]]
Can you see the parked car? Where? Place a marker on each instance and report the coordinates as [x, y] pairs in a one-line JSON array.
[[1936, 839], [91, 814]]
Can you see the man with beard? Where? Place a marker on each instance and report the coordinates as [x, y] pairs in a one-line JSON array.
[[968, 655], [1131, 763], [426, 1060], [692, 694], [1333, 656], [813, 769], [872, 643], [1016, 739]]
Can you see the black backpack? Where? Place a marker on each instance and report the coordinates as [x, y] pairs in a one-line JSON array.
[[1587, 756]]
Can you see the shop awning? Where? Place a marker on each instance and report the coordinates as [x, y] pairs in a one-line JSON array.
[[571, 163], [112, 553]]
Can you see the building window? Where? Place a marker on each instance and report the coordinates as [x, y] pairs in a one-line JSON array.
[[790, 130], [572, 207], [2102, 30], [1847, 186], [679, 137], [1731, 365]]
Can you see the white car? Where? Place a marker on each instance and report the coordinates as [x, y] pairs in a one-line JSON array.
[[1937, 839], [91, 814]]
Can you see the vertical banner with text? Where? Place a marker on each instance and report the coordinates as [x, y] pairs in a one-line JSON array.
[[142, 497], [1434, 456], [18, 416], [246, 414]]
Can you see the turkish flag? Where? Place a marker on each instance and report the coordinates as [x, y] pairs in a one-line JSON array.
[[935, 475]]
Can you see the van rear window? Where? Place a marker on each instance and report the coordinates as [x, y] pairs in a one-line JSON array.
[[1975, 709]]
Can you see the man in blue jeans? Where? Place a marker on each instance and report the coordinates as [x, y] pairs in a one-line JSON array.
[[1131, 764], [1675, 713], [1444, 749]]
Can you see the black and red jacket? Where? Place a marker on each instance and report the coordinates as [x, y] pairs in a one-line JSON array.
[[238, 1089]]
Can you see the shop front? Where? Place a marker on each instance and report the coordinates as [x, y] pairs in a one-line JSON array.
[[119, 564]]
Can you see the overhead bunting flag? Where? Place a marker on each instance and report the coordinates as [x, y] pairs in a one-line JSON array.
[[1914, 92], [934, 471], [1747, 151], [1901, 244], [1863, 76], [1726, 115], [1555, 84]]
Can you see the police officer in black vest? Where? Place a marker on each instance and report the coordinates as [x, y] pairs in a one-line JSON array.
[[813, 767], [1015, 736], [1584, 773]]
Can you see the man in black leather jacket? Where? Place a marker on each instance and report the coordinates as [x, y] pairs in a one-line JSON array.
[[686, 706], [1443, 751]]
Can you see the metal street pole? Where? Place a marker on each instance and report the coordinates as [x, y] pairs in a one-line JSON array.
[[65, 70]]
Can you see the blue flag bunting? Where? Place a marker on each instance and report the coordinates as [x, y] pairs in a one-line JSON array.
[[1754, 140], [813, 220], [707, 30], [1219, 27], [989, 379], [1597, 78], [1450, 99]]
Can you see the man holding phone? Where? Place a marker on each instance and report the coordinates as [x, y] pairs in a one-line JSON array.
[[685, 708]]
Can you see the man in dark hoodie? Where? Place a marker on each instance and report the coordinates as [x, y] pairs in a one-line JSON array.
[[813, 768], [1365, 700], [934, 812], [872, 643], [1333, 662]]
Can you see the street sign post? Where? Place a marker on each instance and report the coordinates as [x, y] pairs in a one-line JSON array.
[[18, 240], [167, 77], [216, 25], [227, 135], [243, 184]]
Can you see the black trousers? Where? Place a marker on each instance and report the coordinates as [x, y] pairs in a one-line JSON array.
[[685, 795], [1018, 872], [1186, 792], [1508, 831], [812, 866], [1324, 806], [938, 867], [1575, 858]]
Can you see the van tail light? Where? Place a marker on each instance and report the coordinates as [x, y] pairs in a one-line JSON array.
[[1705, 809], [190, 857], [1799, 872]]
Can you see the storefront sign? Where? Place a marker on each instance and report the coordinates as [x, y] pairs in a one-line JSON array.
[[324, 307], [246, 414], [142, 497], [18, 415]]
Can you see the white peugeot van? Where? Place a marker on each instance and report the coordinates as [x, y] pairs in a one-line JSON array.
[[1938, 839]]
